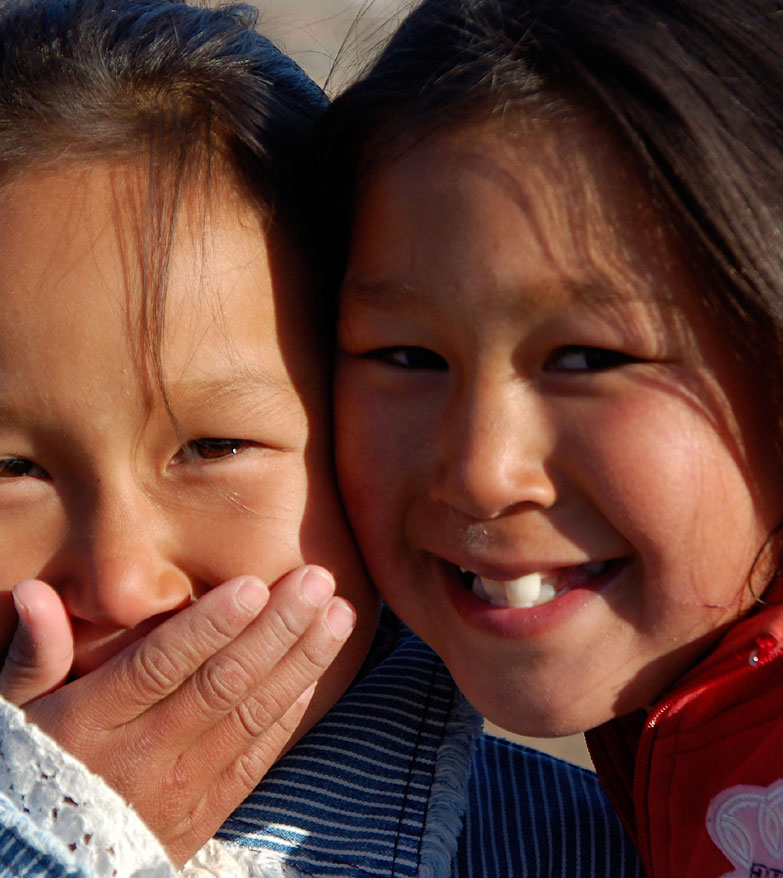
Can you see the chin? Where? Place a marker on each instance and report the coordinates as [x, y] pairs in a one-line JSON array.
[[522, 710]]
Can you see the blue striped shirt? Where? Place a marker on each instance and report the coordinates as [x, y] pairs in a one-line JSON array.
[[397, 780]]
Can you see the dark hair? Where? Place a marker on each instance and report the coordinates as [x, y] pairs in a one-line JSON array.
[[98, 78], [695, 87], [181, 89]]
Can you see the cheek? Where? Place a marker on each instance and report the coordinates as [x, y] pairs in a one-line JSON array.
[[675, 486], [33, 534], [253, 530], [374, 451]]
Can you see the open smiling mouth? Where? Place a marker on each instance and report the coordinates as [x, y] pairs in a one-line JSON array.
[[535, 589]]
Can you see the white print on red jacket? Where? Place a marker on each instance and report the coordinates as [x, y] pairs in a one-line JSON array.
[[746, 823]]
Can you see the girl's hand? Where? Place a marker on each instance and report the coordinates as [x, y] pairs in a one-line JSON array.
[[41, 652], [187, 720]]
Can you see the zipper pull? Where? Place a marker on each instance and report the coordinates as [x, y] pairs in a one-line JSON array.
[[764, 644]]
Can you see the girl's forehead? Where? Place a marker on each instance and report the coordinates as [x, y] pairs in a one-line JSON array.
[[192, 281], [562, 193]]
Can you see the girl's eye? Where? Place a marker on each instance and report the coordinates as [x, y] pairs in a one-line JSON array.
[[19, 467], [213, 449], [582, 358], [408, 357]]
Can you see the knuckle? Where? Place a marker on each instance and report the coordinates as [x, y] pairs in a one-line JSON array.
[[222, 685], [289, 624], [255, 715], [214, 631], [248, 768], [18, 663], [155, 671], [313, 658], [172, 803]]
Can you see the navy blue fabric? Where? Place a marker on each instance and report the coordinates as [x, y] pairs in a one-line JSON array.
[[17, 859], [531, 815], [398, 781], [354, 798]]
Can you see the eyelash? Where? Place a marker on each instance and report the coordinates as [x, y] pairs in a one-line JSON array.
[[417, 358], [11, 468], [595, 359], [202, 450], [211, 448]]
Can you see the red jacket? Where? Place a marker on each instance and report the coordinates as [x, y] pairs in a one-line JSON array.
[[698, 781]]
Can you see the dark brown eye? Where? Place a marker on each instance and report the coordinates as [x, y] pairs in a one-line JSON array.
[[214, 449], [19, 467], [409, 357], [582, 358]]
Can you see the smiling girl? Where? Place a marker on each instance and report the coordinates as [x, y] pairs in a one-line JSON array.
[[561, 304], [165, 455]]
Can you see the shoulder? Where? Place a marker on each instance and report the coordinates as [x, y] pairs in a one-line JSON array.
[[531, 814]]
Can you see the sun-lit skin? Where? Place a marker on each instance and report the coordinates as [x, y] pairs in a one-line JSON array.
[[125, 513], [527, 383]]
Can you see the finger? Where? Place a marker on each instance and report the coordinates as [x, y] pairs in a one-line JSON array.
[[230, 676], [152, 669], [296, 673], [41, 652], [229, 790]]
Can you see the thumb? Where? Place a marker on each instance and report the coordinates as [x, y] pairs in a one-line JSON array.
[[41, 651]]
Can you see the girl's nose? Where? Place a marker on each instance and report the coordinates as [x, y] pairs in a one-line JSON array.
[[114, 572], [491, 453]]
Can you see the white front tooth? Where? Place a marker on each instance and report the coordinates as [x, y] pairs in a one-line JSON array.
[[525, 591], [546, 594], [496, 591]]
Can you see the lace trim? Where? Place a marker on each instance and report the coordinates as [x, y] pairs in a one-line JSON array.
[[65, 811], [218, 859]]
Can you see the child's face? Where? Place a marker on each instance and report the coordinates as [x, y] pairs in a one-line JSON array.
[[128, 514], [527, 385]]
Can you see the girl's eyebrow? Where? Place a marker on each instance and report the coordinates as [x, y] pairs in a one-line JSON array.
[[389, 294], [242, 381], [358, 291]]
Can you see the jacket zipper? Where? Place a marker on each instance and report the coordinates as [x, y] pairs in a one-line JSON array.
[[756, 658]]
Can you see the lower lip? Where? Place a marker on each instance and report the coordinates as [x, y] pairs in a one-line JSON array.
[[519, 622]]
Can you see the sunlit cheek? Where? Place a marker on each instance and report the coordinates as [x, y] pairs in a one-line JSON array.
[[699, 523], [30, 536]]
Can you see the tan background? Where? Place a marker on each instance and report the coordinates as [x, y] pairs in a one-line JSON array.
[[324, 34], [332, 40]]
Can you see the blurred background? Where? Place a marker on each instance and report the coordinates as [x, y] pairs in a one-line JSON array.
[[332, 40]]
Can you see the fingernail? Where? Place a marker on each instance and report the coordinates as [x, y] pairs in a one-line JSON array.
[[316, 586], [251, 595], [340, 619]]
